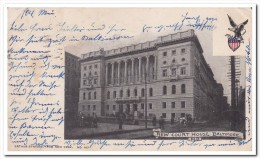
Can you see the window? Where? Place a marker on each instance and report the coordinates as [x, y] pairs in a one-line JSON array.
[[183, 87], [107, 107], [151, 92], [183, 59], [142, 106], [88, 107], [142, 92], [150, 106], [84, 82], [84, 96], [95, 73], [182, 115], [114, 107], [182, 50], [95, 65], [85, 68], [89, 74], [164, 90], [165, 53], [173, 52], [173, 60], [164, 62], [173, 104], [173, 89], [164, 73], [114, 94], [128, 93], [121, 93], [164, 105], [173, 115], [108, 95], [182, 104], [95, 95], [174, 71], [183, 71], [135, 92], [85, 74], [89, 95], [135, 107], [164, 115], [90, 67], [94, 107]]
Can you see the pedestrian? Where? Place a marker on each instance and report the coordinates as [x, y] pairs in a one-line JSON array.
[[89, 120], [120, 121], [172, 120], [161, 123], [94, 120], [81, 119], [154, 121]]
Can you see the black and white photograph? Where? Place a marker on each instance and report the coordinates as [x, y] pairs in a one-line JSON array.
[[172, 83]]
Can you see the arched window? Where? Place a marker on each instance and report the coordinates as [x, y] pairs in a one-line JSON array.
[[121, 93], [142, 92], [84, 96], [128, 93], [95, 95], [173, 89], [114, 94], [89, 95], [183, 88], [135, 92], [164, 90], [108, 95], [151, 92]]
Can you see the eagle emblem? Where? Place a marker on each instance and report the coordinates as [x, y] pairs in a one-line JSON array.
[[239, 30]]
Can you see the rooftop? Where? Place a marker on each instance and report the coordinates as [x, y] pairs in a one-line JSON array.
[[140, 46]]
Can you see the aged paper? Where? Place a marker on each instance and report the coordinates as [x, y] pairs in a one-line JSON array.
[[130, 79]]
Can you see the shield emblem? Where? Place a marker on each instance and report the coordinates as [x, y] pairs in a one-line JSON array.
[[233, 43]]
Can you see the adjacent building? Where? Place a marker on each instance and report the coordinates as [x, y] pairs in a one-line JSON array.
[[168, 74], [72, 85]]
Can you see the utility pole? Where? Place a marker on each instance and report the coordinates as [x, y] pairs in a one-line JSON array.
[[234, 78], [233, 91]]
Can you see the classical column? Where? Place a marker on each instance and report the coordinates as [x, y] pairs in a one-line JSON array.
[[112, 77], [107, 74], [132, 71], [147, 69], [125, 71], [155, 67], [118, 72], [140, 67]]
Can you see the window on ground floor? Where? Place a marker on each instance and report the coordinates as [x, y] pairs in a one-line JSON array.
[[164, 115]]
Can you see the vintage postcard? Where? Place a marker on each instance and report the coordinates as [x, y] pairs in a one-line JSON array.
[[130, 79]]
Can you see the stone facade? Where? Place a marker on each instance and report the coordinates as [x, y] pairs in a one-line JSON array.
[[171, 70]]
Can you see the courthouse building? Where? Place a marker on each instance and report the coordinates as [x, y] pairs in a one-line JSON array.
[[172, 68]]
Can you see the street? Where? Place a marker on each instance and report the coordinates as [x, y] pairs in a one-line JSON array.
[[112, 131]]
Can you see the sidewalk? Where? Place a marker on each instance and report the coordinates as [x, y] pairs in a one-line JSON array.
[[103, 129]]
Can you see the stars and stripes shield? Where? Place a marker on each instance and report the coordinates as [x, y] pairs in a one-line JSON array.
[[233, 43]]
